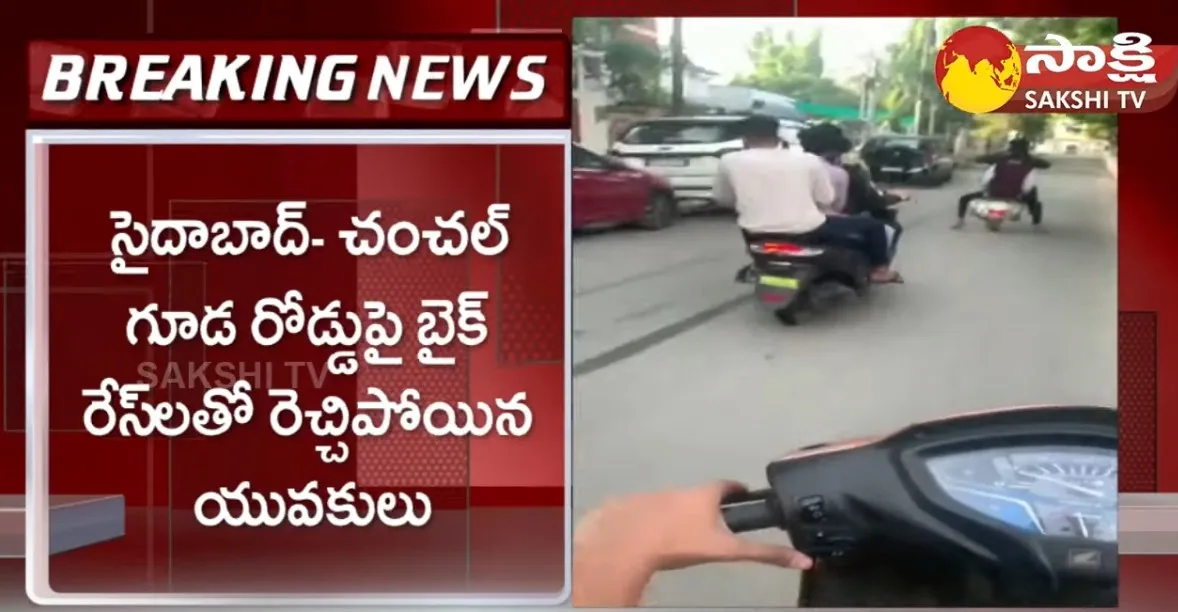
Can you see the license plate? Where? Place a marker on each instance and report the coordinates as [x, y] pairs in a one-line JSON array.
[[779, 282], [667, 162]]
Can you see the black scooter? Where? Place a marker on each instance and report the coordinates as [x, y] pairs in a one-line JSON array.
[[1009, 508], [790, 278]]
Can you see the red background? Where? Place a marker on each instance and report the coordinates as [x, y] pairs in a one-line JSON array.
[[1147, 257], [465, 477], [1165, 56], [550, 110], [1156, 96]]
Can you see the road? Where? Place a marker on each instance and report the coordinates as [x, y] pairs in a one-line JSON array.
[[680, 378]]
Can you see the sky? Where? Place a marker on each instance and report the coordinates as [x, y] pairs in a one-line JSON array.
[[720, 44]]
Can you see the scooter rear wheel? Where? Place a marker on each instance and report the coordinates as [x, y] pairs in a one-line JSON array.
[[993, 225], [787, 316]]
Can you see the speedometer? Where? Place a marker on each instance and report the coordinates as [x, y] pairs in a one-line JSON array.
[[1054, 491], [1080, 478]]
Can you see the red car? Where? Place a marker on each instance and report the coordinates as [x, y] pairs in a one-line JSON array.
[[607, 192]]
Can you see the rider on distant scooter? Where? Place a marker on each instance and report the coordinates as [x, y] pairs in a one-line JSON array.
[[1010, 177]]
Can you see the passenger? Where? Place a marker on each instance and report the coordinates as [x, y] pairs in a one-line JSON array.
[[863, 196]]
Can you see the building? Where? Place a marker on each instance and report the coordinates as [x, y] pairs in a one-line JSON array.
[[590, 93]]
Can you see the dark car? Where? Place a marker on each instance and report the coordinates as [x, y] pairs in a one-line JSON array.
[[607, 192], [908, 159]]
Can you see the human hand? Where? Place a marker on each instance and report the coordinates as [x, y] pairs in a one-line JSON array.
[[618, 547]]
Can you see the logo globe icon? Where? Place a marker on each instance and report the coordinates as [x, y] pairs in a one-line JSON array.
[[978, 69]]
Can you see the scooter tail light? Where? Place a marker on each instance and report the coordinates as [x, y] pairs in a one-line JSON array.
[[784, 248]]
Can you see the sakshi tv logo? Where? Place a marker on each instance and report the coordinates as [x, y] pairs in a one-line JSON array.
[[980, 70]]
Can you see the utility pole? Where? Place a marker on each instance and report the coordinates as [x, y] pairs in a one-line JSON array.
[[865, 91], [677, 66], [871, 103], [863, 97], [932, 55], [927, 34]]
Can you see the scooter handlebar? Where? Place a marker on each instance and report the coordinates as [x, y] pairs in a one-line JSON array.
[[751, 511]]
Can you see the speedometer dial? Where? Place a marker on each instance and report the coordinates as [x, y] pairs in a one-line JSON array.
[[1070, 477], [1055, 491]]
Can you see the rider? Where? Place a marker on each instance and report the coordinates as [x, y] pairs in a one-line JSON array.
[[780, 193], [1011, 176], [618, 547]]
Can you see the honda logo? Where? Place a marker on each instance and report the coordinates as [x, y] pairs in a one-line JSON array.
[[1084, 559]]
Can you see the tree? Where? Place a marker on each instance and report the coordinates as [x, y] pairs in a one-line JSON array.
[[811, 55], [1079, 30], [634, 68], [592, 32], [1033, 127], [791, 68], [908, 76], [634, 72]]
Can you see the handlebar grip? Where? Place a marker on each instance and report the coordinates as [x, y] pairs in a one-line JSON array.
[[751, 511]]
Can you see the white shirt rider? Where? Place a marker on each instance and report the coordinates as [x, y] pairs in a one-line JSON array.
[[774, 190]]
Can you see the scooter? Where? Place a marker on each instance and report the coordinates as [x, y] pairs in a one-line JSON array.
[[791, 278], [995, 212], [1006, 508]]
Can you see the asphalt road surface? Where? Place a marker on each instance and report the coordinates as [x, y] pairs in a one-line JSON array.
[[681, 378]]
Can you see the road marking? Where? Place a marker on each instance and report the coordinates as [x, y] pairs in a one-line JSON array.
[[649, 273], [654, 338]]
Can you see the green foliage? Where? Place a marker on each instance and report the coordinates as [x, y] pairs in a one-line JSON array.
[[597, 32], [1079, 30], [908, 76], [634, 72], [1034, 127], [635, 69], [792, 68]]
